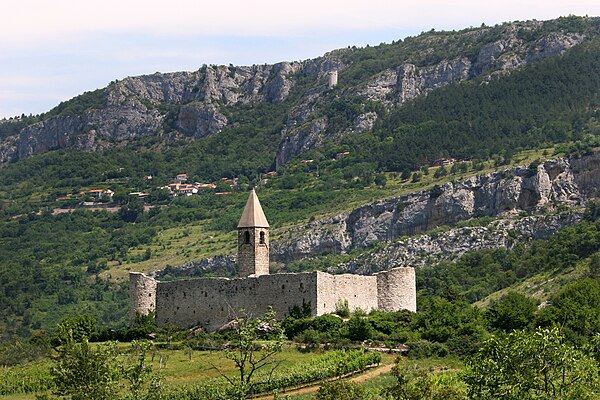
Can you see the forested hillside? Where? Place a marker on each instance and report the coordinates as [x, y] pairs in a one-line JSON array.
[[476, 100]]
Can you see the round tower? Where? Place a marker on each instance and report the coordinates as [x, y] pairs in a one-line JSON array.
[[253, 239], [397, 289], [142, 294]]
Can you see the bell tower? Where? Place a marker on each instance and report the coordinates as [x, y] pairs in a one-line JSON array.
[[253, 240]]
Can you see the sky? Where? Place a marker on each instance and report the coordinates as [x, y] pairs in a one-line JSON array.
[[51, 51]]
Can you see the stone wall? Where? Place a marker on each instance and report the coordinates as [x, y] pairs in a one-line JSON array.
[[397, 289], [142, 294], [212, 302], [360, 291]]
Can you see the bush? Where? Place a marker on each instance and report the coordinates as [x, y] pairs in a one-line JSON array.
[[77, 328], [415, 383], [341, 390], [512, 311], [425, 349], [359, 328], [528, 365]]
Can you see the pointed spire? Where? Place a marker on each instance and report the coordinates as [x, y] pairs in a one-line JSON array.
[[253, 215]]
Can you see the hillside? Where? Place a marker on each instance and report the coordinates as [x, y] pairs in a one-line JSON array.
[[426, 150], [289, 109]]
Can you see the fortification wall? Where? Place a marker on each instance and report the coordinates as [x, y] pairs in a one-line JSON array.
[[359, 290], [212, 302], [397, 289], [142, 294]]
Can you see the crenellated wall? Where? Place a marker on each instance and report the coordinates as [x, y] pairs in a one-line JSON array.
[[213, 302]]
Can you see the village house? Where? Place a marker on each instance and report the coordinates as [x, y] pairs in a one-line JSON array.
[[341, 155], [180, 178], [100, 194]]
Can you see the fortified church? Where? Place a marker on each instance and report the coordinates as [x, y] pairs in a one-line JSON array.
[[213, 302]]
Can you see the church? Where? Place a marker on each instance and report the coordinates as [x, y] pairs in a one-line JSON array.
[[213, 302]]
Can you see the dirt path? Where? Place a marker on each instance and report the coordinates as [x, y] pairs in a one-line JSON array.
[[369, 374]]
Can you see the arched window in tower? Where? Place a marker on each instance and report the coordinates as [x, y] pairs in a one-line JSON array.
[[262, 238], [246, 237]]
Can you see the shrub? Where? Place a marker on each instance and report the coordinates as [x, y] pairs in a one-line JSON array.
[[341, 390], [424, 349]]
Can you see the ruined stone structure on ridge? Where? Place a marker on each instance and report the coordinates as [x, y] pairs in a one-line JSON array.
[[213, 302]]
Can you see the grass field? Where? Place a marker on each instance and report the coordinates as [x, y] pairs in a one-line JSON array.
[[188, 367]]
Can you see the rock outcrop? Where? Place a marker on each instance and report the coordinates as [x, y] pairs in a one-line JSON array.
[[224, 265], [429, 249], [193, 104], [140, 106], [524, 203], [405, 82], [408, 81], [538, 189]]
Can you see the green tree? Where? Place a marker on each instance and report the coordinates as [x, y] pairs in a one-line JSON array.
[[512, 311], [131, 211], [380, 180], [525, 365], [75, 328], [251, 351], [144, 384], [405, 174], [86, 372], [359, 328], [576, 308], [440, 172], [595, 266], [415, 383]]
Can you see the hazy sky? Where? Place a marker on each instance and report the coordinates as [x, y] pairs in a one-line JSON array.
[[52, 50]]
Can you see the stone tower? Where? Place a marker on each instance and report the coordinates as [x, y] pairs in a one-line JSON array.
[[253, 239], [332, 79]]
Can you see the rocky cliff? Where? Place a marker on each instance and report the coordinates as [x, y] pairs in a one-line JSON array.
[[406, 81], [534, 189], [139, 106], [524, 203], [450, 244], [193, 105]]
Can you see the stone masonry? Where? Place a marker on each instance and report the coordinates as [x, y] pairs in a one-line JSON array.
[[213, 302]]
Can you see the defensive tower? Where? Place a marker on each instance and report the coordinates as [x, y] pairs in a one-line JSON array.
[[253, 240], [332, 79]]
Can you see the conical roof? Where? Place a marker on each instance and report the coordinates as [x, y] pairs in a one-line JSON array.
[[253, 215]]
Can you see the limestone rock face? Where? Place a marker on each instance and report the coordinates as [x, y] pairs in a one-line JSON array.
[[223, 265], [422, 250], [132, 109], [407, 81], [553, 44], [198, 120], [300, 139], [398, 226], [194, 103], [365, 122], [553, 183], [8, 149]]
